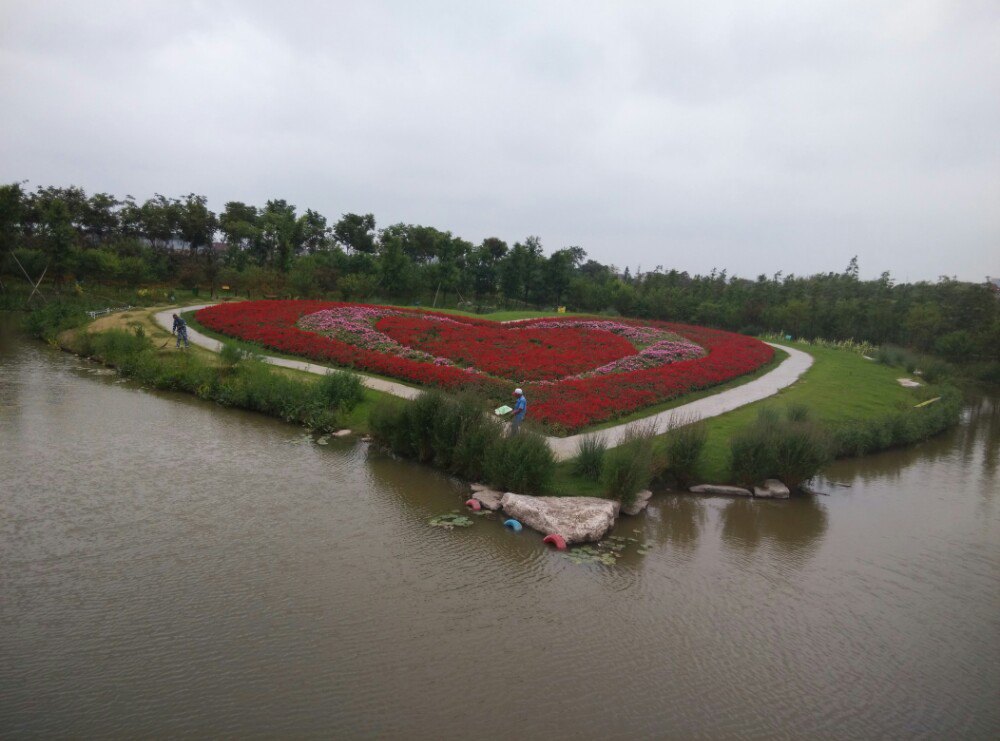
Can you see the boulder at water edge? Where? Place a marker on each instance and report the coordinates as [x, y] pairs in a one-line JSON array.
[[489, 498], [772, 489], [638, 504], [577, 519], [731, 491]]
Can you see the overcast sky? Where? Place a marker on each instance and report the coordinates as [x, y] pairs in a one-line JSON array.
[[753, 136]]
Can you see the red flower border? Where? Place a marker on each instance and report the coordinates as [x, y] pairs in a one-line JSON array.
[[566, 405]]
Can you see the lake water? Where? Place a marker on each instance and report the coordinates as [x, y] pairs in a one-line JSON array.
[[168, 568]]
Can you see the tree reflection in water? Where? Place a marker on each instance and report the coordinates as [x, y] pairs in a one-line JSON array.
[[678, 519], [793, 527]]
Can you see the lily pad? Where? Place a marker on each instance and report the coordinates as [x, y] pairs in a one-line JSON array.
[[450, 521], [594, 555]]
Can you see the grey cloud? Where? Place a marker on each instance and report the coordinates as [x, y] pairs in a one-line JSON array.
[[755, 137]]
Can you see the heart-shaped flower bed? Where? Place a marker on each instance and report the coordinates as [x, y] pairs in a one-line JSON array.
[[520, 353], [543, 351], [575, 372]]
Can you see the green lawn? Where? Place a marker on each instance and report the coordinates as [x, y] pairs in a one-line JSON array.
[[840, 386], [163, 343]]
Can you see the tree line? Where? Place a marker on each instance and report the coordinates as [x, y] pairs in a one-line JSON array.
[[276, 250]]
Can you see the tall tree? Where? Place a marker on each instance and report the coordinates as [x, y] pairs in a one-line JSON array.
[[356, 232], [483, 261], [196, 225], [100, 217], [314, 233], [239, 226], [11, 212], [279, 233], [159, 218], [559, 270], [58, 238]]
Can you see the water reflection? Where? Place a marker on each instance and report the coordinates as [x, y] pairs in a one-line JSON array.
[[983, 433], [792, 526], [677, 520], [971, 451]]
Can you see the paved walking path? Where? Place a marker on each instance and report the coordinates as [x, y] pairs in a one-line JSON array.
[[711, 406], [565, 447]]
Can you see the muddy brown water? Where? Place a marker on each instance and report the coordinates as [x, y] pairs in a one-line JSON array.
[[169, 568]]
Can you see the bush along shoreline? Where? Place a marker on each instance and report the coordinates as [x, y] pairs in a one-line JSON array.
[[239, 381], [456, 435]]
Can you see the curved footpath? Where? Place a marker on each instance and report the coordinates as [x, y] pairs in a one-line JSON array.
[[565, 447]]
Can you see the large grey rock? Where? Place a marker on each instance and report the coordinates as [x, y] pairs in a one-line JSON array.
[[577, 519], [639, 504], [489, 498], [772, 489], [731, 491]]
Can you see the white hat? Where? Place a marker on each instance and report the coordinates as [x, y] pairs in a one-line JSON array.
[[518, 392]]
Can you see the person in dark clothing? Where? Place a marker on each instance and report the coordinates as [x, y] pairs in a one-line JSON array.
[[181, 330]]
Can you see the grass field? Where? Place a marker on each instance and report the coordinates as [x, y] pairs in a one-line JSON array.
[[164, 343], [840, 386]]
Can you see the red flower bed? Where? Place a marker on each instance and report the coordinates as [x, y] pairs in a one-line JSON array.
[[569, 404], [520, 353]]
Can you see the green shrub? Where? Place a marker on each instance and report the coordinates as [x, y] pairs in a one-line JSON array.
[[340, 390], [49, 320], [684, 445], [769, 416], [751, 458], [987, 371], [898, 357], [797, 412], [385, 423], [119, 345], [249, 384], [522, 463], [455, 434], [230, 354], [935, 370], [792, 450], [802, 451], [901, 427], [480, 435], [590, 456], [628, 468], [958, 345]]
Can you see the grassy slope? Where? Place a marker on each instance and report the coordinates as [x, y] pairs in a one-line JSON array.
[[164, 342], [839, 386]]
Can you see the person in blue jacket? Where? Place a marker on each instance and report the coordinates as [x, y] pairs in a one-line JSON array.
[[181, 330], [520, 409]]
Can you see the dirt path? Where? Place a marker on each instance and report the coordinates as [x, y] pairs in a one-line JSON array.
[[787, 373]]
